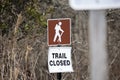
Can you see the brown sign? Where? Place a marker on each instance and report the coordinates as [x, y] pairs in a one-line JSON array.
[[59, 31]]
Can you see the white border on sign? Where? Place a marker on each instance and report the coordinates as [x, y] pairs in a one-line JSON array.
[[48, 32], [90, 6]]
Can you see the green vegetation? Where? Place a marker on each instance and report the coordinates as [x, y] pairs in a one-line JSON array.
[[31, 11]]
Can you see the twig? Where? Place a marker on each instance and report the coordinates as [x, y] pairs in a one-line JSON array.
[[113, 60]]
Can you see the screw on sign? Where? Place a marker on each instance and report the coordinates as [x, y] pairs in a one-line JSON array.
[[59, 31]]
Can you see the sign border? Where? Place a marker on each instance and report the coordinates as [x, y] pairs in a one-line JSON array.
[[48, 32]]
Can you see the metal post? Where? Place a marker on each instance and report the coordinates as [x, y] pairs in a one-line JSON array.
[[97, 41], [59, 76]]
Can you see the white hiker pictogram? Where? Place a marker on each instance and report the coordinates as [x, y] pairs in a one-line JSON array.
[[58, 32]]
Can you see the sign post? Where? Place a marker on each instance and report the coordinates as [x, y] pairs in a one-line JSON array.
[[59, 58], [98, 54], [59, 75], [97, 33]]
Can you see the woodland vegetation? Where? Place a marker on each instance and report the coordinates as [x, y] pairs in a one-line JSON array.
[[23, 40]]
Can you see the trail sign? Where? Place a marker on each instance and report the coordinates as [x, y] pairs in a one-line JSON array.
[[59, 59], [94, 4], [59, 31]]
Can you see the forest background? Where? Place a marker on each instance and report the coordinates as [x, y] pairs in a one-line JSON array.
[[23, 40]]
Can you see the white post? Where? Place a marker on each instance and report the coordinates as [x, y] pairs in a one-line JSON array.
[[97, 45]]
